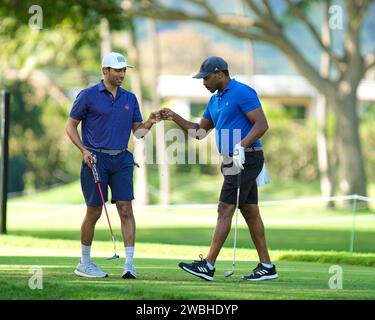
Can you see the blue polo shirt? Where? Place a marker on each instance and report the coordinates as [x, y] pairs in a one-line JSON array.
[[227, 111], [106, 120]]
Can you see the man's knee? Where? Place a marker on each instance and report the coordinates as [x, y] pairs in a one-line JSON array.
[[124, 209], [93, 213], [250, 211], [225, 210]]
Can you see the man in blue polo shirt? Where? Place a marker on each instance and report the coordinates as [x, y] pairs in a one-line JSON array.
[[237, 116], [108, 114]]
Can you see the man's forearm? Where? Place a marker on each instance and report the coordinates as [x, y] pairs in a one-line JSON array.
[[185, 124], [194, 130], [143, 129], [256, 132]]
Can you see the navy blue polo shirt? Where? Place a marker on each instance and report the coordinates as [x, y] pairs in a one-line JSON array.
[[106, 120], [227, 111]]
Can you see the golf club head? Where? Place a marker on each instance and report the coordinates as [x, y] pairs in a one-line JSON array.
[[115, 256], [228, 273]]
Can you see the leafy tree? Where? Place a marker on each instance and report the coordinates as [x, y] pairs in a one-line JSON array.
[[264, 22], [38, 67], [64, 54], [25, 128]]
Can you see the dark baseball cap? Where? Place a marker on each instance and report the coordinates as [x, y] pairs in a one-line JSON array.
[[211, 64]]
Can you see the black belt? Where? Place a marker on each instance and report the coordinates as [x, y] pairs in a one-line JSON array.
[[113, 152], [250, 149], [253, 149]]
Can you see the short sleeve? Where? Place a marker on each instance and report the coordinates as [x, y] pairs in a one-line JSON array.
[[79, 109], [248, 100], [137, 116]]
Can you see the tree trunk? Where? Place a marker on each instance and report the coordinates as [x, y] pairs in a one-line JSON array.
[[327, 178], [164, 179], [342, 95], [353, 176], [352, 173], [105, 36], [141, 184]]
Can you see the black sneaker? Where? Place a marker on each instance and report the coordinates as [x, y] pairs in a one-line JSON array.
[[199, 269], [262, 273]]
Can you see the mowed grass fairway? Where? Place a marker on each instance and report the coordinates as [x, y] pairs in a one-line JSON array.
[[305, 241], [162, 279]]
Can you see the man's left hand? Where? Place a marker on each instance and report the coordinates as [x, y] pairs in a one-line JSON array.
[[238, 156], [166, 114]]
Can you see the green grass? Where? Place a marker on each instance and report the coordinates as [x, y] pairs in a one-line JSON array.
[[186, 188], [278, 239], [69, 193], [162, 279], [304, 241], [26, 245], [307, 227], [303, 251]]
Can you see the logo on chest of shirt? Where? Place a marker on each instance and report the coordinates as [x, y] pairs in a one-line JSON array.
[[126, 107]]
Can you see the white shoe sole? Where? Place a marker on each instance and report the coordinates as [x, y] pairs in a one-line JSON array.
[[81, 274], [274, 276], [200, 275]]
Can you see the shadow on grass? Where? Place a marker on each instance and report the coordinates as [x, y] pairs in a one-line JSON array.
[[279, 239]]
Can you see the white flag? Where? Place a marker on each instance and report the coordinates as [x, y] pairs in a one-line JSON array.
[[263, 177]]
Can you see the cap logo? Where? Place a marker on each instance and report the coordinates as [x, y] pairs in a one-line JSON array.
[[216, 69], [120, 59]]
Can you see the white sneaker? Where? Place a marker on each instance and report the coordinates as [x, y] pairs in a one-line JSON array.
[[89, 270], [129, 272]]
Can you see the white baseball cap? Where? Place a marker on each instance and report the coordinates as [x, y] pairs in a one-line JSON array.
[[115, 60]]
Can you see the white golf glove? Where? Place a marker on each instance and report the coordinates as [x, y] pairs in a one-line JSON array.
[[238, 156], [263, 177]]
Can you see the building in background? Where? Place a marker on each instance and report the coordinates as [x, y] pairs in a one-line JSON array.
[[188, 96]]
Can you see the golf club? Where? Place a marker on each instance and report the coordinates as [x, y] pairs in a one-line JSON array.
[[97, 181], [230, 272]]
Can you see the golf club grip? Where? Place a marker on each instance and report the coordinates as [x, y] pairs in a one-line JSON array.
[[95, 172]]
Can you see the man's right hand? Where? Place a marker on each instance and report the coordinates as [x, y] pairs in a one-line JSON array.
[[87, 156], [167, 114], [155, 117]]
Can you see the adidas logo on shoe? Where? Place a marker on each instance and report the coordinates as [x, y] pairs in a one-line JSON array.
[[198, 268], [262, 273]]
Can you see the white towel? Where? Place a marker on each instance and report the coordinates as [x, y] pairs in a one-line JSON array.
[[263, 177]]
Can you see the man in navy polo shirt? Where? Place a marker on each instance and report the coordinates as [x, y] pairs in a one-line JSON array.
[[108, 114], [236, 113]]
